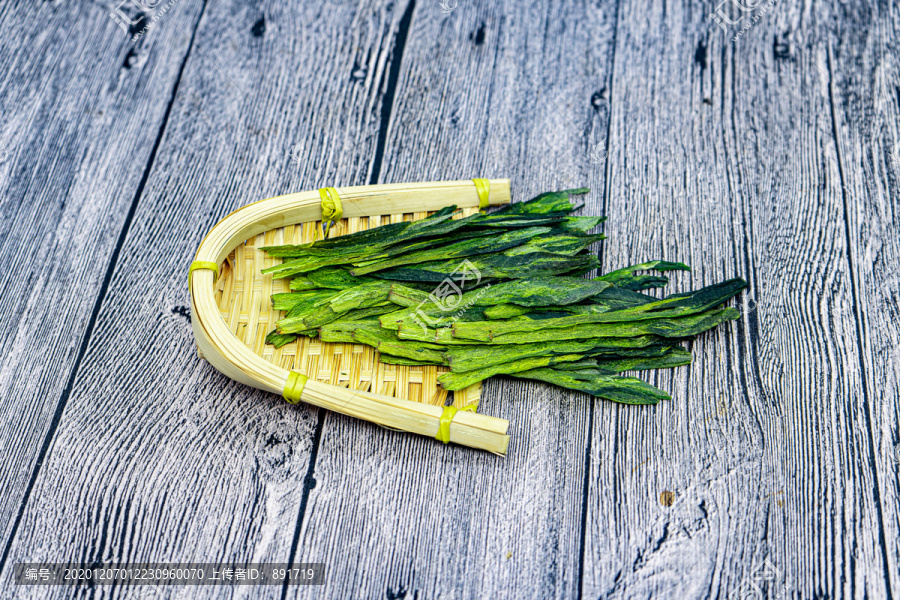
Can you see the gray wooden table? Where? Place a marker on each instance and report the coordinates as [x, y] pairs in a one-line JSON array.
[[756, 140]]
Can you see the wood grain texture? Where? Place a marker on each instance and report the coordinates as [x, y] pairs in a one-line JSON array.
[[158, 457], [485, 90], [79, 118], [770, 157], [864, 88], [724, 156]]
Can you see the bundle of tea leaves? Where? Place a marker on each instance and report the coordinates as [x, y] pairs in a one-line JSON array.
[[502, 293]]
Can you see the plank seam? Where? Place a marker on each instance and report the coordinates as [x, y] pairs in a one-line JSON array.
[[586, 487], [748, 326], [585, 491], [854, 294], [309, 482], [95, 312], [386, 111], [387, 106]]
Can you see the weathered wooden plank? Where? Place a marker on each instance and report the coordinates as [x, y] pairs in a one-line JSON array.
[[864, 88], [158, 457], [80, 112], [778, 445], [499, 90], [760, 471]]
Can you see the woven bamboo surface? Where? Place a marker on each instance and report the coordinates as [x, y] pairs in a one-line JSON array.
[[243, 295]]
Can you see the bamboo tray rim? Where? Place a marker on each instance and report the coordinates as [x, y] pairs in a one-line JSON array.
[[222, 349]]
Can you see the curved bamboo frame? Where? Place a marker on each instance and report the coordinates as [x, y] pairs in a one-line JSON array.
[[232, 358]]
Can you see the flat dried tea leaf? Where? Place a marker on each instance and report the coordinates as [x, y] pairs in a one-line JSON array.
[[305, 264], [326, 314], [672, 307], [625, 390], [281, 339], [401, 361], [336, 278], [290, 301], [366, 296], [560, 243], [615, 298], [302, 284], [674, 357], [377, 236], [464, 248], [342, 331], [427, 242], [470, 358], [278, 340], [580, 224], [496, 293], [499, 266], [516, 221], [548, 202], [627, 277], [539, 291], [361, 296], [537, 331], [457, 381], [512, 311], [431, 353]]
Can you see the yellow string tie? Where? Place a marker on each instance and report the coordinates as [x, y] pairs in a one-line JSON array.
[[483, 186], [470, 407], [332, 210], [204, 264], [293, 387], [443, 433]]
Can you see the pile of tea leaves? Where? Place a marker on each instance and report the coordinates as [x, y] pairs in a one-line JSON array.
[[501, 293]]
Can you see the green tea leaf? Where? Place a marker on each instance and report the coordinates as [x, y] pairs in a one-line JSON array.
[[382, 236], [342, 331], [521, 330], [547, 202], [674, 357], [627, 277], [399, 360], [464, 248], [278, 340], [500, 266], [302, 284], [336, 278], [673, 307], [457, 381], [419, 351], [470, 358], [580, 224], [568, 245], [625, 390]]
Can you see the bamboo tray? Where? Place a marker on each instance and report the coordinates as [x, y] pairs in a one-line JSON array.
[[231, 314]]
